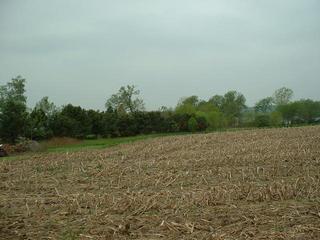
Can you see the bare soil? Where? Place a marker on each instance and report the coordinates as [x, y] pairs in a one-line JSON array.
[[256, 184]]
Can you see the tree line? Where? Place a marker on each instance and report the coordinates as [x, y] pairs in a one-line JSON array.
[[125, 114]]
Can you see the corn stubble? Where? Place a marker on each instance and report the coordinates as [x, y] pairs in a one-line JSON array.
[[261, 184]]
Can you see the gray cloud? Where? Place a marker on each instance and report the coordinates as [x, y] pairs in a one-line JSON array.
[[83, 51]]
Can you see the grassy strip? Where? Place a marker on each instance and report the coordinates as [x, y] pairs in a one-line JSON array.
[[106, 142], [94, 144], [109, 142]]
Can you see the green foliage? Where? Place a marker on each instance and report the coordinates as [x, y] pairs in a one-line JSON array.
[[192, 124], [217, 101], [13, 90], [125, 116], [95, 119], [12, 120], [204, 106], [181, 121], [262, 120], [105, 142], [248, 117], [302, 111], [47, 107], [307, 110], [187, 105], [218, 111], [265, 105], [282, 96], [232, 107], [13, 110], [214, 119], [124, 100], [72, 121], [192, 100], [38, 125], [202, 123], [276, 119], [186, 109], [288, 111], [40, 120]]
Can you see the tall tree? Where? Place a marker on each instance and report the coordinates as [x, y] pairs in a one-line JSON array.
[[46, 106], [13, 110], [126, 99], [187, 105], [232, 106], [265, 105], [41, 119], [282, 96], [217, 101], [192, 100]]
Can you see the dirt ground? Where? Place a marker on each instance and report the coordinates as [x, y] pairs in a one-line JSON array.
[[257, 184]]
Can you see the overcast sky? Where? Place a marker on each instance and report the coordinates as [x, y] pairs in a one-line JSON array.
[[81, 52]]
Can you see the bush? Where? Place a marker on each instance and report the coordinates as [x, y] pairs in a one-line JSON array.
[[182, 121], [202, 123], [192, 124], [276, 119], [215, 120], [262, 120]]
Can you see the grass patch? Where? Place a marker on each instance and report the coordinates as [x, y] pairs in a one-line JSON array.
[[105, 142], [9, 158]]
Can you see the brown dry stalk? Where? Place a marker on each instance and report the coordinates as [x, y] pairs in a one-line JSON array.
[[257, 184]]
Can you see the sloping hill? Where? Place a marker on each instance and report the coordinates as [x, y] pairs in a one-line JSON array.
[[262, 184]]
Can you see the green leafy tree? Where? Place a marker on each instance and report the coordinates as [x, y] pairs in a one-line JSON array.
[[282, 96], [307, 110], [96, 121], [276, 119], [192, 100], [38, 125], [41, 118], [46, 106], [14, 90], [185, 109], [302, 111], [265, 105], [262, 120], [181, 121], [232, 107], [202, 123], [13, 110], [288, 111], [214, 118], [187, 105], [72, 121], [166, 112], [217, 101], [204, 106], [248, 117], [192, 124], [126, 99]]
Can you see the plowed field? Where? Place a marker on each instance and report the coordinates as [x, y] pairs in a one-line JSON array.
[[257, 184]]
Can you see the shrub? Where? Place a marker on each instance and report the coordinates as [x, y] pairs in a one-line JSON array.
[[192, 124], [202, 123], [276, 119], [262, 120]]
